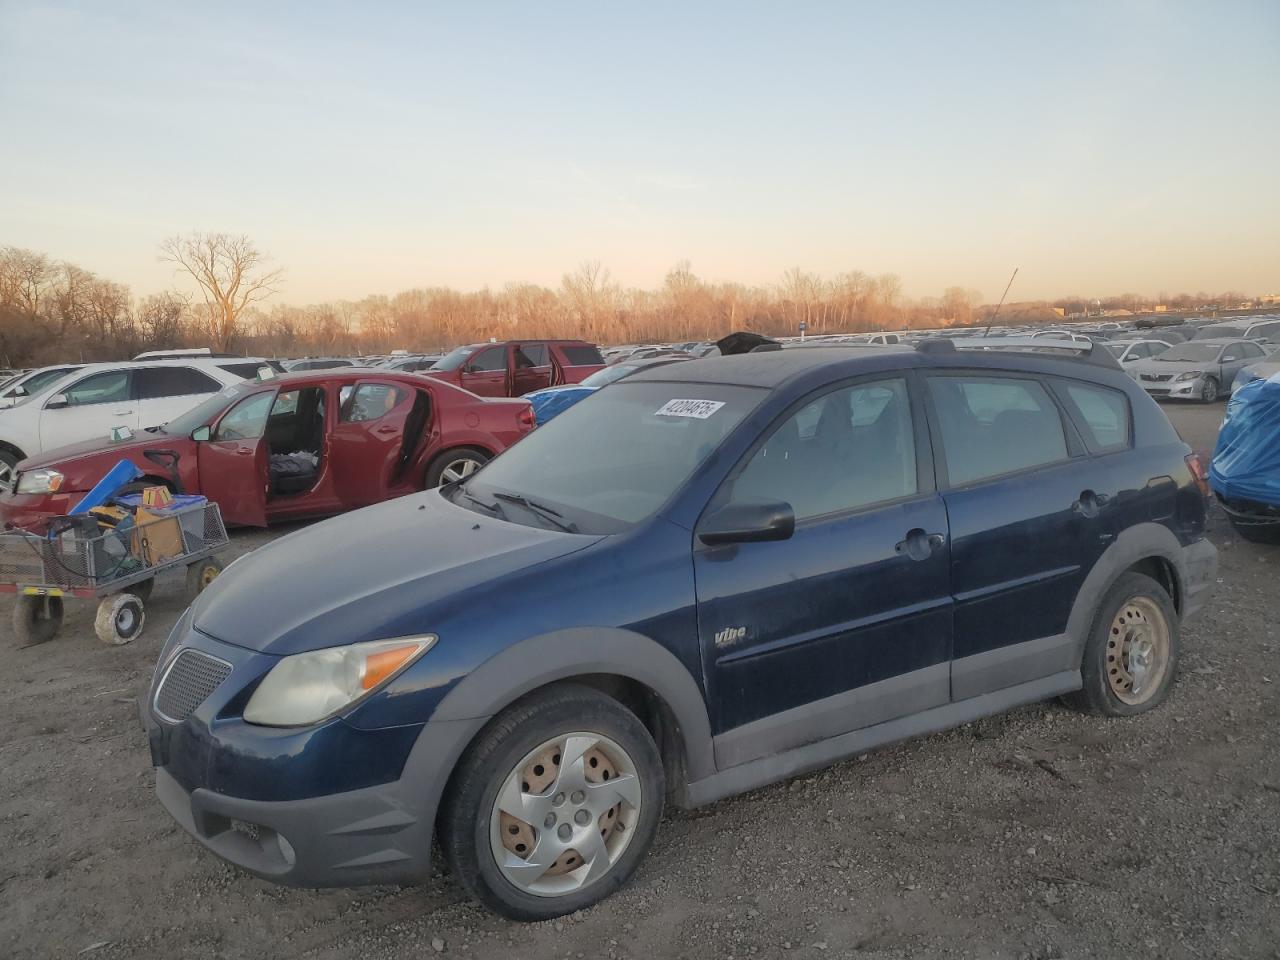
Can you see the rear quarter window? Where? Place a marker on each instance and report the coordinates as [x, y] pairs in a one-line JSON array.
[[581, 355], [1101, 414]]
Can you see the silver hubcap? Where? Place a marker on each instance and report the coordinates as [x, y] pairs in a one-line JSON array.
[[565, 814], [125, 620], [1137, 651], [459, 470], [6, 475]]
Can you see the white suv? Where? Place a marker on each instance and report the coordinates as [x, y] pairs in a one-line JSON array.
[[88, 402]]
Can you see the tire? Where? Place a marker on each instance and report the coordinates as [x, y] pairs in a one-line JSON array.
[[202, 573], [471, 827], [1209, 391], [458, 463], [7, 462], [120, 619], [1268, 533], [1135, 614], [36, 619]]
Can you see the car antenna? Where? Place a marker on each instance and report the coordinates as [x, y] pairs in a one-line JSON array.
[[992, 319]]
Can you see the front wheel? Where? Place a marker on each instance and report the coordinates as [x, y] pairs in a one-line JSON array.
[[36, 619], [1132, 650], [1209, 390], [120, 619], [554, 805]]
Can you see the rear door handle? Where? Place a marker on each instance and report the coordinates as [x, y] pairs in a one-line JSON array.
[[919, 545]]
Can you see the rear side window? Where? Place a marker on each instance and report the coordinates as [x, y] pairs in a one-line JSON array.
[[995, 425], [152, 383], [1102, 414], [581, 355], [368, 401], [246, 371], [531, 355]]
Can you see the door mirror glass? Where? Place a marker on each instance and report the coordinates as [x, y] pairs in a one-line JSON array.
[[19, 391], [748, 522], [56, 402], [200, 434], [1130, 357]]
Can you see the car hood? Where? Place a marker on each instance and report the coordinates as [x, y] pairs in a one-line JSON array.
[[86, 454], [380, 572], [1170, 366]]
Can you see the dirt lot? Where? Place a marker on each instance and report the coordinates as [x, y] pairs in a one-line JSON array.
[[1039, 834]]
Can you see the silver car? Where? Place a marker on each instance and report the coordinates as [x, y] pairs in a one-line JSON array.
[[1195, 370]]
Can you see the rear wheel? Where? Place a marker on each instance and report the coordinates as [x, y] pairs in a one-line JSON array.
[[1132, 651], [554, 805], [454, 465], [36, 619], [201, 574], [120, 619]]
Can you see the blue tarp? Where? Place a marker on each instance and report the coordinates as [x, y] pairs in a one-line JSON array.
[[1246, 461]]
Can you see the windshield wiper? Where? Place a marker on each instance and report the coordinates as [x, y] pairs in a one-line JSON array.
[[553, 517], [494, 508]]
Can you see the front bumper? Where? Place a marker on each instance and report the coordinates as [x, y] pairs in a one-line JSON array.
[[1177, 390], [25, 509], [323, 806]]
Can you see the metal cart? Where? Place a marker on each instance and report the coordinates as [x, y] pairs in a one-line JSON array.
[[78, 558]]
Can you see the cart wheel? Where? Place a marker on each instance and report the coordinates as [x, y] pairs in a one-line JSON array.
[[202, 573], [120, 619], [37, 619], [142, 589]]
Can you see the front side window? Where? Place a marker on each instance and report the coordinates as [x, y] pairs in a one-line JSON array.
[[247, 420], [847, 449], [995, 425], [490, 360], [152, 383], [367, 401], [110, 387]]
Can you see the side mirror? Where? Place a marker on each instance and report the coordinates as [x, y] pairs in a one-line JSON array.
[[1130, 357], [20, 391], [752, 522], [57, 402], [200, 434]]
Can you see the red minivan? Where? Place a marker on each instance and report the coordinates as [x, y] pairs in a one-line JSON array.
[[517, 367]]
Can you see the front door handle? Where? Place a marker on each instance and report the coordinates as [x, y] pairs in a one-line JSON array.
[[121, 413], [919, 545]]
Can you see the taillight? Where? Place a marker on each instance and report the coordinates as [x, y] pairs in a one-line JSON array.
[[1199, 473], [525, 417]]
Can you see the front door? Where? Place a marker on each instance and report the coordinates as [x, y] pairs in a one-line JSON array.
[[234, 460], [1030, 514], [366, 448], [847, 623], [93, 406], [485, 374]]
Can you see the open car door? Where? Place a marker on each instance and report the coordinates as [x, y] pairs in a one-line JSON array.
[[233, 461], [367, 449]]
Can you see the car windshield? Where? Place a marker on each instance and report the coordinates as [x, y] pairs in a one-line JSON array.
[[1216, 331], [453, 359], [610, 374], [1117, 349], [613, 460], [200, 415], [1194, 352]]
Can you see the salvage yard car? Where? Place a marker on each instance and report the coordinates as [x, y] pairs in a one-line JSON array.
[[301, 445], [550, 401], [517, 367], [707, 577], [1195, 370]]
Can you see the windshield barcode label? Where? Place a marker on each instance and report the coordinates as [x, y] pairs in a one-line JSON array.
[[697, 409]]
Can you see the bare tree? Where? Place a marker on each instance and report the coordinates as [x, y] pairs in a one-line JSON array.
[[231, 273]]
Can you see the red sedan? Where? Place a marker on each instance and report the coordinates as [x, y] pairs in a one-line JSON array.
[[300, 445]]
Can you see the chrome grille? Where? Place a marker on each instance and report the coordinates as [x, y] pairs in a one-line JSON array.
[[1157, 377], [187, 683]]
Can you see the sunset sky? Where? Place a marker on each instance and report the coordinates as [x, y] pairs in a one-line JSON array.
[[1100, 147]]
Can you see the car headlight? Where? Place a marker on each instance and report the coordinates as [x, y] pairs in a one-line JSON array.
[[1192, 375], [308, 687], [40, 481]]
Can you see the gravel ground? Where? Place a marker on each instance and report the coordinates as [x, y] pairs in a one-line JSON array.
[[1037, 834]]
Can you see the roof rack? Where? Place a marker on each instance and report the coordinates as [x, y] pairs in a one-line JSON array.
[[1065, 349]]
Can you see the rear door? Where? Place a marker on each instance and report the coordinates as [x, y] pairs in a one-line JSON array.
[[367, 445], [485, 373], [848, 622], [94, 405], [167, 392], [574, 362], [234, 461], [531, 368], [1029, 515]]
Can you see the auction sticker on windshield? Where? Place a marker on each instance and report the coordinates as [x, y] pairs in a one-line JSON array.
[[697, 409]]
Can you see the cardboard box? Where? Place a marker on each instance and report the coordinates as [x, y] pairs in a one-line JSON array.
[[156, 538]]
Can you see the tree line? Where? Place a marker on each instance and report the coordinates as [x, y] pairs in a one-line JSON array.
[[54, 311]]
